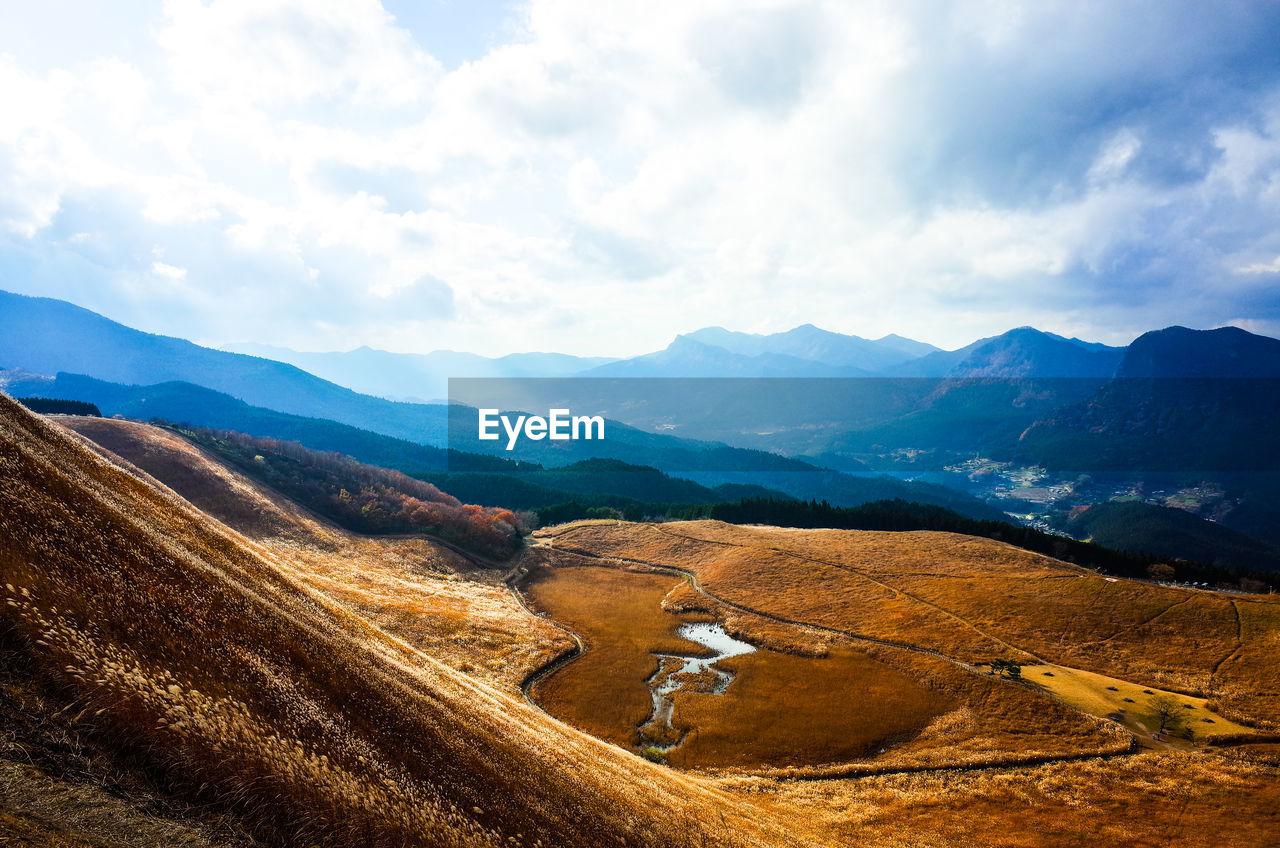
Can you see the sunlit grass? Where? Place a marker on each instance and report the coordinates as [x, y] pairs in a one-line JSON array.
[[306, 680]]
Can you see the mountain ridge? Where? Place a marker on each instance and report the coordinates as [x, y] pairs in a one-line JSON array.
[[49, 336], [1020, 352], [1180, 352], [419, 377]]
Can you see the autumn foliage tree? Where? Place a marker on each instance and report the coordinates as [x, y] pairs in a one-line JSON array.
[[365, 498]]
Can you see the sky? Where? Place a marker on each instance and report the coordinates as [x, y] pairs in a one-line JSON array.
[[595, 178]]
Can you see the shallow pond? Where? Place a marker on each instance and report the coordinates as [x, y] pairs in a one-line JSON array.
[[690, 674]]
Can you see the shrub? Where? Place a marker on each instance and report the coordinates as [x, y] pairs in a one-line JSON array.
[[364, 498], [654, 754]]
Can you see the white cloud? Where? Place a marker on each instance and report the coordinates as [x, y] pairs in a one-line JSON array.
[[1272, 267], [1114, 157], [264, 52], [169, 272], [621, 172]]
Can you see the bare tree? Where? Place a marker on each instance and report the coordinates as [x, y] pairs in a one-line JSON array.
[[1166, 710]]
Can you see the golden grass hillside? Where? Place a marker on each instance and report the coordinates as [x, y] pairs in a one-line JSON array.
[[752, 579], [413, 587], [973, 600], [201, 658], [304, 678]]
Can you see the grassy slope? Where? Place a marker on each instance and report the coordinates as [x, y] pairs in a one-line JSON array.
[[208, 662], [410, 587], [1167, 797], [808, 703], [1156, 799], [974, 599], [1100, 695]]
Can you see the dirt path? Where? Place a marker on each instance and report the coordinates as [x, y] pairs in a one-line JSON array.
[[1213, 672]]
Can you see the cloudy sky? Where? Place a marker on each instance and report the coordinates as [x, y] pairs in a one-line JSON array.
[[597, 177]]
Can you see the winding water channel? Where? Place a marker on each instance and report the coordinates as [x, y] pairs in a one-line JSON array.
[[678, 673]]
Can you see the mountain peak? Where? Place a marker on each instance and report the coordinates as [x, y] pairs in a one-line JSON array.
[[810, 328], [811, 343], [1021, 352], [1226, 352]]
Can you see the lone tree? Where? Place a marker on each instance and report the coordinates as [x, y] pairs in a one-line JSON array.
[[1006, 668], [1166, 710]]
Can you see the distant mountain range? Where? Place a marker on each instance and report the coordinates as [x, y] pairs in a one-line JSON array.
[[803, 352], [1073, 414], [1022, 352], [46, 336], [419, 377], [688, 357], [1196, 402], [1179, 353], [49, 336], [1183, 400]]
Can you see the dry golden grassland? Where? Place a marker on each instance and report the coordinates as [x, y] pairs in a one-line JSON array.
[[1247, 682], [1149, 800], [1100, 695], [305, 679], [781, 710], [788, 711], [1202, 797], [974, 599], [205, 661], [619, 616], [420, 591], [819, 704]]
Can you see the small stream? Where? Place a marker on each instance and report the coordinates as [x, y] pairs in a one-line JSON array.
[[689, 674]]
